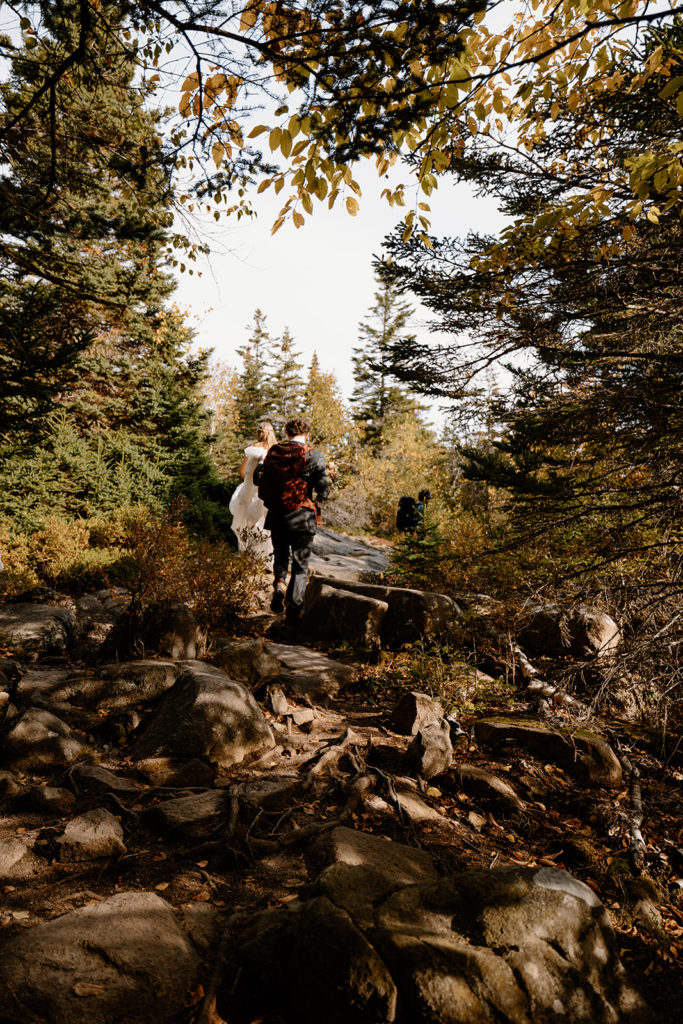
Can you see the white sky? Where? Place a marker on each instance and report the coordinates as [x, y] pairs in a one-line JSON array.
[[316, 280]]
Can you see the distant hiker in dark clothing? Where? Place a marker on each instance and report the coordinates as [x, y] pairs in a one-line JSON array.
[[291, 474], [407, 516]]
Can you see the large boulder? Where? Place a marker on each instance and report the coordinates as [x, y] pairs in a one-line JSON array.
[[584, 755], [124, 960], [249, 662], [519, 945], [345, 558], [205, 714], [113, 687], [311, 674], [478, 782], [36, 739], [31, 630], [581, 632], [514, 944], [172, 630], [411, 615], [333, 614]]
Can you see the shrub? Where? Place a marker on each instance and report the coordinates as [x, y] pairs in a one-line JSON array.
[[56, 548], [18, 573], [169, 565]]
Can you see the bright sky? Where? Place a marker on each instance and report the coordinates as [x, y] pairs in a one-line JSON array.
[[317, 280]]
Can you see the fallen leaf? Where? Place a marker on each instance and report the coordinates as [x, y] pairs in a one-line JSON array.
[[161, 886], [203, 896], [88, 988], [21, 830], [433, 791], [476, 820], [20, 915], [202, 863]]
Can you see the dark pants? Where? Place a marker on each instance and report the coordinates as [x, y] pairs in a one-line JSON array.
[[293, 534]]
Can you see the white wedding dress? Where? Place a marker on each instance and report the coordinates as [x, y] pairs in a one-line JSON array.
[[248, 511]]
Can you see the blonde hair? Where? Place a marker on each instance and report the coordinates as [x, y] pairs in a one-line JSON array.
[[265, 434]]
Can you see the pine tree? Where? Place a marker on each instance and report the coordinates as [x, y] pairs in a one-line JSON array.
[[377, 399], [84, 214], [254, 395], [100, 396], [285, 385]]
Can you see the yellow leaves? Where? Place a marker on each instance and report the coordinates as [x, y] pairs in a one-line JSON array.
[[249, 15], [274, 139], [298, 219], [217, 152], [258, 130], [191, 82], [352, 206]]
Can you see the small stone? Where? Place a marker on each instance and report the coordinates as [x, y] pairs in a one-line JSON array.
[[431, 751], [414, 711], [17, 860], [91, 836]]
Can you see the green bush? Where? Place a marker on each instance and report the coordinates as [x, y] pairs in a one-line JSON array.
[[57, 547]]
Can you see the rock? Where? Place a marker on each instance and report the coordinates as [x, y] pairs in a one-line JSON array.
[[306, 673], [302, 716], [205, 714], [585, 756], [9, 785], [431, 751], [411, 615], [413, 711], [91, 836], [271, 793], [251, 662], [164, 771], [49, 800], [345, 558], [42, 682], [334, 614], [400, 865], [515, 944], [203, 923], [173, 630], [277, 700], [582, 632], [193, 814], [124, 959], [309, 957], [111, 686], [32, 630], [477, 782], [11, 669], [37, 739], [95, 779], [135, 682], [416, 810], [18, 862]]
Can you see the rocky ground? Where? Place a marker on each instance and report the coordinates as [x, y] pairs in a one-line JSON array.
[[295, 829]]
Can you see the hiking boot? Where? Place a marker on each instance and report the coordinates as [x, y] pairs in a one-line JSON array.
[[277, 602]]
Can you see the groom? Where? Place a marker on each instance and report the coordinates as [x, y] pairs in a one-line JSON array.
[[291, 474]]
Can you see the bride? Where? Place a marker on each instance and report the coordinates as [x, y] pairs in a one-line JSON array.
[[247, 509]]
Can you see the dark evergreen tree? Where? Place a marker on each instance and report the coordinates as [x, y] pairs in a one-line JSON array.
[[377, 399], [588, 315], [99, 397], [254, 395], [285, 383]]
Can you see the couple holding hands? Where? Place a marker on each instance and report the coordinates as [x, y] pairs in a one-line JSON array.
[[281, 485]]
